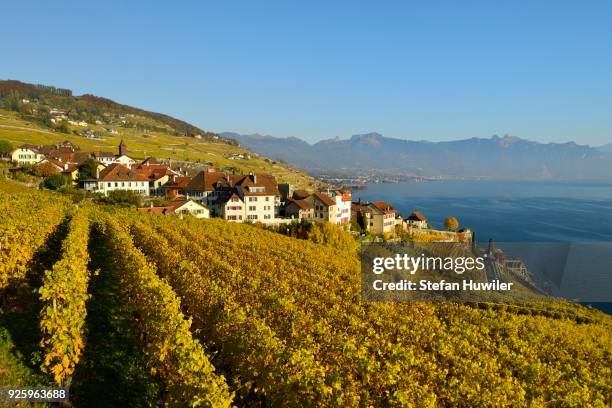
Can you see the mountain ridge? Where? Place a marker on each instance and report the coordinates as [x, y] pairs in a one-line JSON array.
[[504, 157]]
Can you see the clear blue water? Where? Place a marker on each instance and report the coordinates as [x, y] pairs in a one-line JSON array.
[[521, 211], [508, 211]]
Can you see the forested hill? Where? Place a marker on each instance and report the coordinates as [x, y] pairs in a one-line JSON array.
[[89, 108]]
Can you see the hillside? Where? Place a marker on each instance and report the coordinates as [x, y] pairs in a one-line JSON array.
[[205, 312], [27, 111], [507, 157]]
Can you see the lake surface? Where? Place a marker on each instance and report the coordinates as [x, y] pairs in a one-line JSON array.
[[525, 212], [508, 211]]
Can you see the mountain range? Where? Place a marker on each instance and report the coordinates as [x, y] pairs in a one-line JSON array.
[[605, 148], [507, 157]]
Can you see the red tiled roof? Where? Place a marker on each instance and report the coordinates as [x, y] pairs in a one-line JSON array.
[[266, 181], [417, 216], [208, 181], [325, 199], [382, 207], [300, 194], [346, 195], [179, 182], [153, 173], [301, 204], [118, 172]]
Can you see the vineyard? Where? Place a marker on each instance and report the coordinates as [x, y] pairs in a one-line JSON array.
[[132, 309]]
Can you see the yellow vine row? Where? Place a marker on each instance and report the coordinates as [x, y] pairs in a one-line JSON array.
[[64, 295], [168, 346]]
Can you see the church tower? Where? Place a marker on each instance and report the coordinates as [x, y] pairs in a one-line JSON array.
[[122, 148]]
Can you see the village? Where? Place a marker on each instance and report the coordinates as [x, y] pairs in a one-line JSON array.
[[253, 198]]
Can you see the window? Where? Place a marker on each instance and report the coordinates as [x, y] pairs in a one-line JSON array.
[[267, 216], [252, 208], [252, 217], [267, 198], [252, 199], [267, 208]]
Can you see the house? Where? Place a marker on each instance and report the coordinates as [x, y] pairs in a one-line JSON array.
[[208, 186], [417, 220], [71, 172], [26, 154], [240, 197], [118, 177], [180, 208], [107, 158], [176, 186], [343, 205], [286, 191], [48, 166], [300, 209], [125, 160], [361, 214], [157, 175], [232, 208], [382, 217], [260, 195], [325, 208]]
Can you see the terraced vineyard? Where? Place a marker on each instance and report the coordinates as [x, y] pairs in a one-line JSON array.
[[176, 312]]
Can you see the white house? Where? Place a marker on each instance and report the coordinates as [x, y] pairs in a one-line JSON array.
[[343, 205], [107, 158], [118, 177], [26, 155]]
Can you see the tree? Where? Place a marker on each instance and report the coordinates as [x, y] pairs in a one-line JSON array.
[[451, 223], [63, 127], [88, 170], [55, 181], [328, 234], [45, 169], [5, 147], [124, 197]]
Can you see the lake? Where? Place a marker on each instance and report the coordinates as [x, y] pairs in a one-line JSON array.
[[525, 212], [510, 211]]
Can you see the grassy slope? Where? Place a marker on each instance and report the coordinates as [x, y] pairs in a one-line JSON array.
[[159, 145]]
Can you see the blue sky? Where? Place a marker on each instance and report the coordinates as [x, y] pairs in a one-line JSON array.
[[418, 70]]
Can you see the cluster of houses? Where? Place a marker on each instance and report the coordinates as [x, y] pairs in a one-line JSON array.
[[249, 197]]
